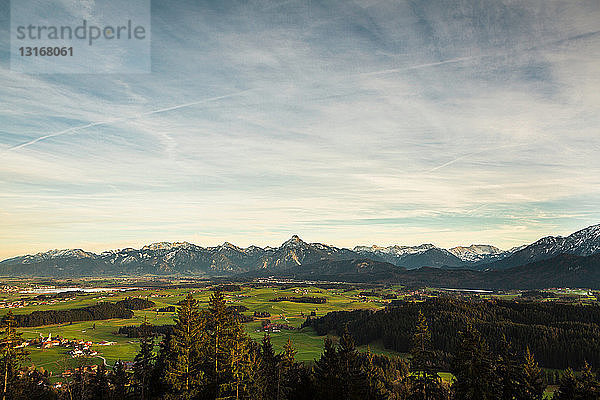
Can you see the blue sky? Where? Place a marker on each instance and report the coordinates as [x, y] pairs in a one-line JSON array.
[[346, 122]]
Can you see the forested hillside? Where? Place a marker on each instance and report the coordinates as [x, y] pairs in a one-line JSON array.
[[560, 335]]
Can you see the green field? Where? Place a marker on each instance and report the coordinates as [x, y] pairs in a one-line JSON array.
[[256, 298], [306, 341]]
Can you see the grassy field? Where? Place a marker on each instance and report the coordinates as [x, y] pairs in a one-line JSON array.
[[306, 341], [257, 299]]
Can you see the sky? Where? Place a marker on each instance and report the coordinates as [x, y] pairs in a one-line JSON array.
[[347, 122]]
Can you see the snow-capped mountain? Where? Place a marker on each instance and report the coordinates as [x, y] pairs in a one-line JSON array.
[[183, 258], [477, 252], [174, 258], [581, 243], [410, 256], [395, 251]]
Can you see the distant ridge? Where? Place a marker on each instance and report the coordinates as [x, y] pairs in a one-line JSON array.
[[296, 256], [584, 242]]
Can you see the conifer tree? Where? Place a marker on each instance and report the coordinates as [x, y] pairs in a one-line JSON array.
[[288, 356], [532, 379], [229, 352], [568, 389], [242, 380], [34, 384], [10, 355], [100, 386], [183, 372], [81, 384], [270, 373], [158, 386], [288, 371], [326, 373], [509, 371], [425, 381], [374, 379], [143, 366], [352, 378], [589, 386], [119, 380], [473, 369]]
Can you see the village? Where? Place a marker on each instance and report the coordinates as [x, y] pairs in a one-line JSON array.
[[78, 347]]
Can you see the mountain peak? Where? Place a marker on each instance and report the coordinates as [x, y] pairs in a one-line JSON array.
[[294, 241], [229, 246]]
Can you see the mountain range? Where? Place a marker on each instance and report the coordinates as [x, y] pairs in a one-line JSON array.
[[296, 258]]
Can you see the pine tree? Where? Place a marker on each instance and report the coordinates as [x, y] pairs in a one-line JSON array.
[[33, 384], [352, 379], [568, 389], [143, 365], [288, 372], [532, 379], [288, 356], [589, 386], [375, 379], [81, 384], [100, 387], [424, 380], [10, 355], [119, 380], [326, 373], [269, 371], [473, 369], [509, 371], [183, 372], [229, 352], [242, 381], [158, 386]]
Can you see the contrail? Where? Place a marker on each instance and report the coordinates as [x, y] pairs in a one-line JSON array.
[[112, 121], [461, 59], [469, 155], [433, 64]]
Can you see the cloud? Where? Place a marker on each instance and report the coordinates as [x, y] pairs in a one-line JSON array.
[[388, 122], [115, 120]]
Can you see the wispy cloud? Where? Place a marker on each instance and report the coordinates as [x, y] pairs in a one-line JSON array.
[[345, 122]]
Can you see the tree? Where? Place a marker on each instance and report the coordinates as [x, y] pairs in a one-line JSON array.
[[158, 386], [119, 380], [326, 373], [532, 379], [288, 356], [568, 389], [375, 379], [269, 370], [33, 384], [183, 372], [474, 369], [288, 372], [425, 382], [589, 386], [229, 352], [353, 382], [583, 387], [143, 365], [100, 387], [510, 374], [11, 355], [243, 357]]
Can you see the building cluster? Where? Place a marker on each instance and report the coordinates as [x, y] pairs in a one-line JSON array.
[[32, 302], [79, 347], [272, 327]]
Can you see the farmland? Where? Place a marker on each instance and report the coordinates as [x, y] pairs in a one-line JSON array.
[[256, 299], [267, 300]]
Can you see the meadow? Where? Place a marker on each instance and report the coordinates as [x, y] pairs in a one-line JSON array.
[[256, 299]]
